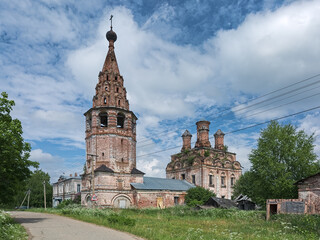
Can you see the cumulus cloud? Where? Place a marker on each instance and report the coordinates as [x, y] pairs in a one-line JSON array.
[[55, 165], [51, 60]]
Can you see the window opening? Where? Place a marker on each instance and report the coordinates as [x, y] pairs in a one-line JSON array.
[[194, 179], [102, 154], [210, 180], [176, 200], [119, 103], [223, 184], [103, 120], [78, 188], [223, 196], [117, 89], [232, 181], [106, 88], [116, 78], [105, 100], [183, 176], [120, 120]]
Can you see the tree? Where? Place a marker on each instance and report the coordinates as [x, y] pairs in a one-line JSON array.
[[14, 153], [197, 196], [282, 157], [35, 185]]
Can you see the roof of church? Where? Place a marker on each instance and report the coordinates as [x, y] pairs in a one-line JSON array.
[[186, 133], [219, 132], [103, 168], [151, 183], [136, 171]]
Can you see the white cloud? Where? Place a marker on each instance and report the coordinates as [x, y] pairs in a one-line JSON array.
[[311, 125], [151, 168], [54, 165], [164, 80]]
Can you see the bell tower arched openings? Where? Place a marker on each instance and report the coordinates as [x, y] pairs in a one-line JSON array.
[[103, 119], [120, 120]]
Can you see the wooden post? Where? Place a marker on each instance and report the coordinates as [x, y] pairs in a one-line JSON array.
[[28, 198], [44, 195]]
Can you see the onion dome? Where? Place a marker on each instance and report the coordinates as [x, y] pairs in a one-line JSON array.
[[219, 133], [111, 35]]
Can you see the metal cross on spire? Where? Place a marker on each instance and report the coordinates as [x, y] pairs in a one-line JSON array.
[[111, 20]]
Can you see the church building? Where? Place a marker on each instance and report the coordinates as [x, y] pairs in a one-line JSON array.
[[215, 168], [111, 177]]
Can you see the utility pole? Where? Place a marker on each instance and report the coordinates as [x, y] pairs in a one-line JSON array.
[[44, 195], [28, 198]]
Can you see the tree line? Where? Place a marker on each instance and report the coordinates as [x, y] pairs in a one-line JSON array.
[[16, 176]]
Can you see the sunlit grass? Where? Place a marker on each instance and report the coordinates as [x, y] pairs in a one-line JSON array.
[[182, 223]]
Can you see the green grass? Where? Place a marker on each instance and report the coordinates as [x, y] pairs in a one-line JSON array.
[[183, 223], [9, 229]]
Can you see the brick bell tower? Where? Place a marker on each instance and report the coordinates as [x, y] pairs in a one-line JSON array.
[[110, 125]]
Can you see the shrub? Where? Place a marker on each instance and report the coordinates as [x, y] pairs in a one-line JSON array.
[[64, 203], [199, 194]]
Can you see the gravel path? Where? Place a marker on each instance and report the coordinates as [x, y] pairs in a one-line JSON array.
[[52, 227]]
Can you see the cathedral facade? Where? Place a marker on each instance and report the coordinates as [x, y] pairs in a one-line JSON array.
[[214, 168], [111, 178]]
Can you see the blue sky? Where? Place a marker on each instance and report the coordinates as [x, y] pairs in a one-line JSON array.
[[182, 61]]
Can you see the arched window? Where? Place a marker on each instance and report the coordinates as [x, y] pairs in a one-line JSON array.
[[120, 120], [232, 180], [105, 100], [118, 103], [103, 120]]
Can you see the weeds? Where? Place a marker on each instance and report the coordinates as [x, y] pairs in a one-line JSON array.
[[181, 223], [9, 229]]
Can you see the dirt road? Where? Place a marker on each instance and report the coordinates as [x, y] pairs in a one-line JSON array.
[[53, 227]]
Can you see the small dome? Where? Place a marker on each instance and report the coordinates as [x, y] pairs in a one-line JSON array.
[[111, 35], [219, 133]]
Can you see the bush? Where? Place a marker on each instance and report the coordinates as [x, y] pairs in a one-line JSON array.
[[197, 195], [64, 203]]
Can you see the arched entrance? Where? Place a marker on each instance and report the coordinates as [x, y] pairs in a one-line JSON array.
[[121, 201]]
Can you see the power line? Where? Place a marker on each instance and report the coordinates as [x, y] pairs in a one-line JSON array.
[[281, 105], [267, 94], [237, 130]]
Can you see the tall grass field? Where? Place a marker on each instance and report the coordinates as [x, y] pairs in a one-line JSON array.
[[186, 223]]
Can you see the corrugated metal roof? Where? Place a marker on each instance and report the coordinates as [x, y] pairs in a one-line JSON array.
[[150, 183]]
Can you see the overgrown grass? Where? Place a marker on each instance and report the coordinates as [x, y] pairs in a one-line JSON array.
[[9, 229], [183, 223]]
